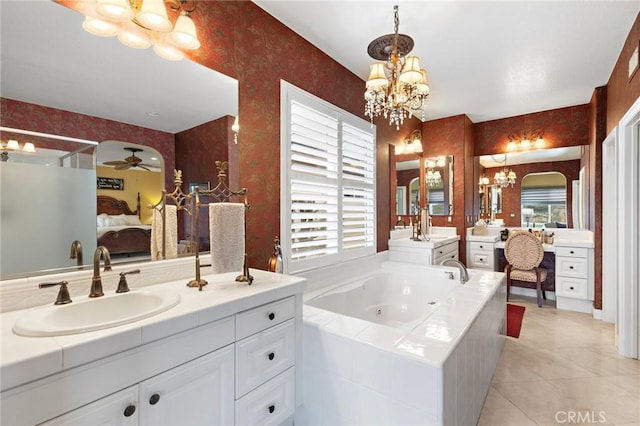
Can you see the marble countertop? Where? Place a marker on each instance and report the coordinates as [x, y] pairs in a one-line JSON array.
[[24, 359]]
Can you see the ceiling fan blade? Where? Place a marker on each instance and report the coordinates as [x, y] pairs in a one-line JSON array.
[[114, 163], [124, 166], [144, 166]]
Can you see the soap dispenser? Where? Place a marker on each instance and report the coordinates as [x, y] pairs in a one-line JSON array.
[[275, 261]]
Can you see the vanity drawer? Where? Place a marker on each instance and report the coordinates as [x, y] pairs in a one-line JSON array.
[[481, 247], [257, 319], [449, 251], [572, 287], [571, 267], [264, 355], [270, 404], [482, 260], [572, 252]]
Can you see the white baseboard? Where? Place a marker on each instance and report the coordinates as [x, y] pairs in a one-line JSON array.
[[597, 314], [531, 292]]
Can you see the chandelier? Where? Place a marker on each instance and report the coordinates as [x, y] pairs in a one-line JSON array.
[[405, 90], [505, 177], [142, 23], [433, 177]]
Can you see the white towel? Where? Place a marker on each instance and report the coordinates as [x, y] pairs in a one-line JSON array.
[[171, 238], [226, 233]]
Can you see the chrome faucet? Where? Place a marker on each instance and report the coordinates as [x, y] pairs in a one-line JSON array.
[[96, 281], [76, 252], [464, 274]]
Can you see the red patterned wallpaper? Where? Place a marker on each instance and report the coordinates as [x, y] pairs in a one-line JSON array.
[[622, 92], [562, 127], [597, 134], [448, 136], [197, 150], [58, 122], [511, 196]]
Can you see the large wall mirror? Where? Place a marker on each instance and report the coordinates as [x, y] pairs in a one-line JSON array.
[[48, 60], [435, 190], [547, 190]]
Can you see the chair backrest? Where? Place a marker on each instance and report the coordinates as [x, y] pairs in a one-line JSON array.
[[523, 250]]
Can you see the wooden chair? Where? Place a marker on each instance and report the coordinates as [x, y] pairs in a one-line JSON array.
[[524, 253]]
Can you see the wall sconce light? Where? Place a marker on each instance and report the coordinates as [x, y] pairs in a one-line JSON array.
[[528, 140], [14, 145], [235, 128], [413, 143], [142, 23]]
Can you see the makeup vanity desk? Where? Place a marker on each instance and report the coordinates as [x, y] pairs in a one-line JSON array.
[[569, 263]]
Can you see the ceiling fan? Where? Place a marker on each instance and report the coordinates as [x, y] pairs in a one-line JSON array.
[[129, 162]]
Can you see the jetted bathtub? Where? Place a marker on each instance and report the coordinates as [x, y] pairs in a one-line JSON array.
[[403, 344]]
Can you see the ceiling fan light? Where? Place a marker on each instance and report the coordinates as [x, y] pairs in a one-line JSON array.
[[184, 33], [153, 15], [100, 27], [116, 10], [168, 52], [134, 39]]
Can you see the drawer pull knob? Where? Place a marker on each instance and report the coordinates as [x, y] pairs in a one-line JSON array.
[[271, 356], [481, 246], [571, 252], [272, 316], [440, 252], [128, 412], [271, 408], [154, 399], [571, 288], [570, 267]]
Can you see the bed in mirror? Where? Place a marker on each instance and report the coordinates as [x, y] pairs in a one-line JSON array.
[[51, 70]]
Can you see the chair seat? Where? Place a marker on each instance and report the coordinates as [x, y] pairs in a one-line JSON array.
[[528, 275]]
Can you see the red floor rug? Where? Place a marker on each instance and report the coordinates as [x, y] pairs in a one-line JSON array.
[[514, 319]]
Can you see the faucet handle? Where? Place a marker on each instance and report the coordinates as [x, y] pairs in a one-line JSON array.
[[63, 295], [123, 287]]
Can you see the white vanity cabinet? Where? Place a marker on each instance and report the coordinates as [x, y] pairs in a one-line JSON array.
[[481, 255], [265, 359], [574, 278], [236, 370], [431, 252], [196, 393]]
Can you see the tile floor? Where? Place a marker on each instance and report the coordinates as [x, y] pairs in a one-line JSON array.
[[564, 369]]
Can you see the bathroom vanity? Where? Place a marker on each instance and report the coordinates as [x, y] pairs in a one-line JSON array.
[[439, 245], [225, 355], [569, 262]]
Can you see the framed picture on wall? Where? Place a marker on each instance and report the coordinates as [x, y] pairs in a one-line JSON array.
[[202, 186], [110, 183]]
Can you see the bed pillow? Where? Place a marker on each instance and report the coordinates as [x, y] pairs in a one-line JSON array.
[[114, 220], [102, 219], [132, 220]]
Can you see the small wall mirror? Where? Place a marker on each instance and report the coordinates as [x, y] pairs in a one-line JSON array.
[[439, 185], [408, 187]]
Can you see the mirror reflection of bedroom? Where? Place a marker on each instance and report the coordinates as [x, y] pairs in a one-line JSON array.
[[130, 179]]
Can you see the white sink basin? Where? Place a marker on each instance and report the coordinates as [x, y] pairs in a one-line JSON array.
[[94, 314], [439, 236]]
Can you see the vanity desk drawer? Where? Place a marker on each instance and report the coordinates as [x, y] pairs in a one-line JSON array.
[[262, 317], [481, 247], [572, 287], [481, 260], [264, 355], [571, 267], [572, 252]]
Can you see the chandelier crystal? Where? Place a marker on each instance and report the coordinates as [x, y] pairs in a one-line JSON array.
[[404, 91]]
